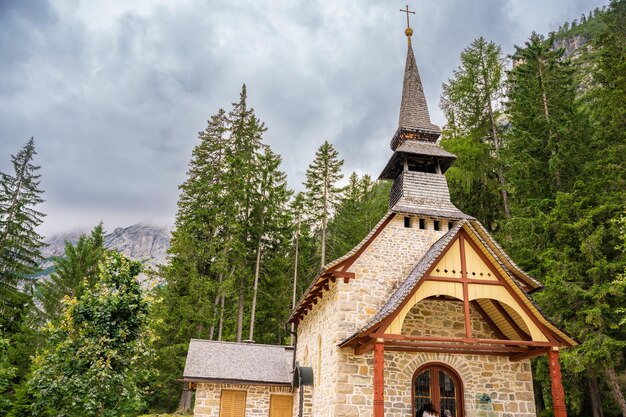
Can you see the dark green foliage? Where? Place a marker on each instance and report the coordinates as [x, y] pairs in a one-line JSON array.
[[74, 272], [543, 146], [363, 204], [7, 373], [472, 102], [304, 258], [90, 364], [565, 229]]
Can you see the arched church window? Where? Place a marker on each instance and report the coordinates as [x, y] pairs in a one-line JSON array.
[[438, 384]]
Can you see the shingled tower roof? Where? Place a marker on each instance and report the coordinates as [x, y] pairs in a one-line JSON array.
[[413, 109], [414, 122]]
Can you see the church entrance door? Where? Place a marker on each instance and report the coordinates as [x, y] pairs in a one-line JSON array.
[[438, 384]]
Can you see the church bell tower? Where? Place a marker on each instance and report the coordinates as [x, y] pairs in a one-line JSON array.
[[418, 162]]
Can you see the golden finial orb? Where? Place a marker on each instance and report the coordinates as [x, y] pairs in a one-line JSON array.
[[408, 32]]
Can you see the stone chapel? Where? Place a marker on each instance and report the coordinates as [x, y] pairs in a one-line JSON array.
[[426, 309]]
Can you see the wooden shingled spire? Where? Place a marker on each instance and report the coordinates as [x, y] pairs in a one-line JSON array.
[[414, 123]]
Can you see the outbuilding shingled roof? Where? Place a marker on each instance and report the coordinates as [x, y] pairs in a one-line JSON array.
[[209, 360]]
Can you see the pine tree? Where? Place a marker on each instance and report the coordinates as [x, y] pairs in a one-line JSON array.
[[74, 272], [472, 102], [322, 193], [20, 244]]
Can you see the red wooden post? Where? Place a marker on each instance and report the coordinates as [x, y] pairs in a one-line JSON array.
[[558, 395], [379, 379]]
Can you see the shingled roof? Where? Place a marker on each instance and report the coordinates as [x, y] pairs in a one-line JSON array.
[[209, 360], [413, 109], [424, 193]]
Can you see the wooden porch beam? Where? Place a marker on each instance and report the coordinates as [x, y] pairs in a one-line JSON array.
[[467, 351], [456, 346], [366, 347], [465, 340], [535, 352], [469, 280]]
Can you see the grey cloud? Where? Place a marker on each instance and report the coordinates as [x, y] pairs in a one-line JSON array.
[[115, 109]]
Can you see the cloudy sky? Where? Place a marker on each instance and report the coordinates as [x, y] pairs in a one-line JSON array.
[[115, 91]]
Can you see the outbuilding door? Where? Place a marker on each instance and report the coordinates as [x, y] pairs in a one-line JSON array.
[[233, 403], [281, 406], [440, 385]]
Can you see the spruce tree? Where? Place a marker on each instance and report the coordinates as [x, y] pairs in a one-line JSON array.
[[230, 236], [198, 269], [322, 192], [20, 244], [543, 142]]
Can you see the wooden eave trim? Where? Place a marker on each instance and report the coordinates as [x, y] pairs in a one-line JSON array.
[[233, 381]]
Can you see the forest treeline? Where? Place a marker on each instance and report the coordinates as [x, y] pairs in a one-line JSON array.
[[541, 141]]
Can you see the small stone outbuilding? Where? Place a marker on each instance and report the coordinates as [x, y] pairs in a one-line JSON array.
[[427, 308], [240, 379]]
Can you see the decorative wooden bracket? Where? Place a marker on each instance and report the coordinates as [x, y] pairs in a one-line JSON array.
[[347, 276]]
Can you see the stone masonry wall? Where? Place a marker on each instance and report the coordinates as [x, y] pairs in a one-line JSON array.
[[381, 268], [317, 348], [506, 384], [432, 317], [257, 398]]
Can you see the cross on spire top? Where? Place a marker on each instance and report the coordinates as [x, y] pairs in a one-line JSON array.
[[408, 32], [407, 11]]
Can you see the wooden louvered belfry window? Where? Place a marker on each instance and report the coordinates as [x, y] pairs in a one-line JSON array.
[[440, 385], [233, 403]]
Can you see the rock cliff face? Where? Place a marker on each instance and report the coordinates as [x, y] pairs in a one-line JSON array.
[[573, 45], [140, 242]]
